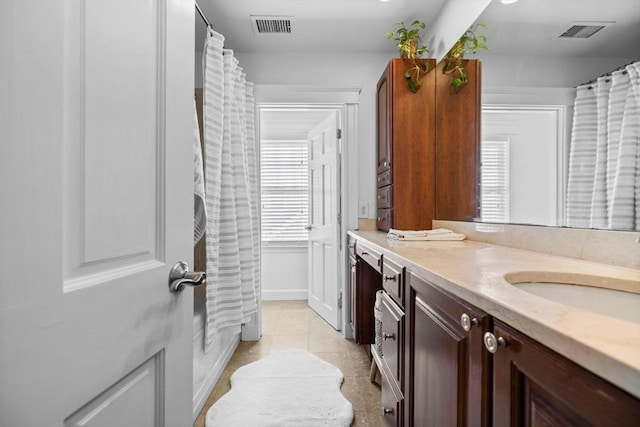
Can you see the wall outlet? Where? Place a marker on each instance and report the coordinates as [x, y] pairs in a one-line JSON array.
[[363, 210]]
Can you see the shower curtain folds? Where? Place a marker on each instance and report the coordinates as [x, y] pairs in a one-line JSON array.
[[231, 187], [604, 158]]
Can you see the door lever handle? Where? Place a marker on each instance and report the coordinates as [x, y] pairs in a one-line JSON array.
[[180, 276]]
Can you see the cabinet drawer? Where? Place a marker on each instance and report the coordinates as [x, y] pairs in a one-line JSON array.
[[385, 196], [385, 219], [391, 405], [392, 333], [371, 256], [384, 178], [393, 280]]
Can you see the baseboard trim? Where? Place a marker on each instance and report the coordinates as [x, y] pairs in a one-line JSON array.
[[201, 395], [284, 295]]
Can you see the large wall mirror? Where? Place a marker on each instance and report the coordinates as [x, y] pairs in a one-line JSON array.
[[529, 81]]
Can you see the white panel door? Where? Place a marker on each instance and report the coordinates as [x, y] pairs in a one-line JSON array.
[[324, 228], [96, 186]]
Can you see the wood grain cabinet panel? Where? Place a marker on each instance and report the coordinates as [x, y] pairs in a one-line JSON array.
[[534, 386], [392, 338], [368, 280], [458, 144], [406, 146], [447, 372]]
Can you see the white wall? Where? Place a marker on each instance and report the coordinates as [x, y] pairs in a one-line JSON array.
[[328, 70], [541, 71], [284, 273]]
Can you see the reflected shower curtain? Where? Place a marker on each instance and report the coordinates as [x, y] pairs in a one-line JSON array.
[[604, 158], [233, 251]]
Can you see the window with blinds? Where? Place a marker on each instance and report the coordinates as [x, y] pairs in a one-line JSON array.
[[494, 180], [285, 191]]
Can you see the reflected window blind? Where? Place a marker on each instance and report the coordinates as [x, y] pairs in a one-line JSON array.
[[285, 191], [494, 180]]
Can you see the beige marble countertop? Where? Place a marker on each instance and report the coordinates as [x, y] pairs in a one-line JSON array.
[[474, 271]]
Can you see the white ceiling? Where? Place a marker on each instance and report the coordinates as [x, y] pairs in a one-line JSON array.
[[532, 27], [528, 27], [317, 25]]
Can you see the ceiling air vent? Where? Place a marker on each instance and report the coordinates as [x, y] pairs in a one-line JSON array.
[[583, 30], [271, 24]]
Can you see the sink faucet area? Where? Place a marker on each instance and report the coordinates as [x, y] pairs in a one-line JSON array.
[[608, 296]]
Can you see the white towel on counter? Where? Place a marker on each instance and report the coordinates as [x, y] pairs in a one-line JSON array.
[[437, 234]]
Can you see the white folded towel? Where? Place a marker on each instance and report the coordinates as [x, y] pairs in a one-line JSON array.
[[437, 234]]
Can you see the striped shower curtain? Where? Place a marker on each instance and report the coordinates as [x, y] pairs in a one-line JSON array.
[[604, 158], [232, 239]]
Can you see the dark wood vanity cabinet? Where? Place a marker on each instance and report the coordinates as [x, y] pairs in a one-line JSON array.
[[393, 334], [406, 149], [367, 281], [438, 368], [535, 386], [447, 371]]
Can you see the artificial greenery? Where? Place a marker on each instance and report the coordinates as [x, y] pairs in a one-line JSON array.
[[469, 42], [408, 42]]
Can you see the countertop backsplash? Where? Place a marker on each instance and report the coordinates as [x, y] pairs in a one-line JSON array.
[[618, 248]]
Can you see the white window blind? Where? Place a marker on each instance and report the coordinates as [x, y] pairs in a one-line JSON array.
[[494, 180], [285, 191]]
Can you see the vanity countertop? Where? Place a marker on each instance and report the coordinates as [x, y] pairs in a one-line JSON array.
[[474, 271]]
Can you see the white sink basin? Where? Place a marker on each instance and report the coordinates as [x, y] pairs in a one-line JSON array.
[[611, 297]]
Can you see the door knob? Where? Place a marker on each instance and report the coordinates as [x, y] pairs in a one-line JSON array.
[[467, 322], [492, 343], [180, 276], [308, 227]]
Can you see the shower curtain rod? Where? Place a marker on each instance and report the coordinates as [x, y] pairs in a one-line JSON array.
[[608, 74], [204, 18]]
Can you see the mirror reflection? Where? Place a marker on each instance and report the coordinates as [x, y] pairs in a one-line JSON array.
[[543, 162]]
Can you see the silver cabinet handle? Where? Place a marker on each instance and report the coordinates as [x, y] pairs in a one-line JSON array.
[[467, 322], [389, 336], [180, 276], [492, 343], [308, 227], [387, 278], [387, 411]]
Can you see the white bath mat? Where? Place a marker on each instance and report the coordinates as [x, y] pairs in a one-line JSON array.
[[285, 389]]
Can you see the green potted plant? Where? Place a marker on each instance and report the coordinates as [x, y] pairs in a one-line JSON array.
[[409, 45], [469, 42]]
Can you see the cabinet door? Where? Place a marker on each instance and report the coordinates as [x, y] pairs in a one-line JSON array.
[[392, 335], [393, 280], [534, 386], [384, 122], [447, 370], [368, 282], [391, 405]]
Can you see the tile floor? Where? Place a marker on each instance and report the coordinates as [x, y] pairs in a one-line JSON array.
[[292, 324]]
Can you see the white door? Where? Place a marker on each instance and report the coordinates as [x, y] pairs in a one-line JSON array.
[[324, 226], [96, 187]]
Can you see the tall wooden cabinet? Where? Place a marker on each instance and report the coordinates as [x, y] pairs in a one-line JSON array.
[[428, 147], [406, 149], [458, 137]]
